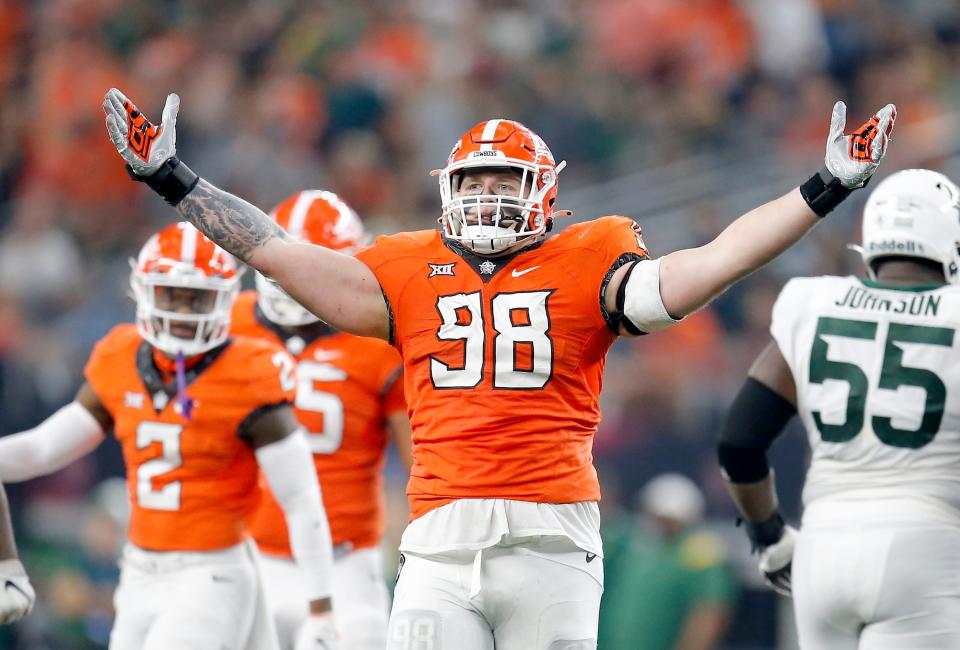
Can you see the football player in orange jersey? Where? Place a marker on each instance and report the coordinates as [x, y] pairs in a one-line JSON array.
[[196, 414], [16, 595], [503, 333], [349, 395]]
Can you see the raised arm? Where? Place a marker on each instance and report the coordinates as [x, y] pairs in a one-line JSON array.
[[691, 278], [339, 289]]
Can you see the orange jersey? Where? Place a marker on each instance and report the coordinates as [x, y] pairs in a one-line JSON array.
[[191, 483], [503, 360], [346, 386]]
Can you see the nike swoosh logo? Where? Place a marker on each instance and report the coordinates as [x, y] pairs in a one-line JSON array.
[[590, 557], [10, 583], [517, 273], [217, 578]]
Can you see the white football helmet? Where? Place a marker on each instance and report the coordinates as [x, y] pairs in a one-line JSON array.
[[913, 213], [185, 286], [321, 218], [516, 220]]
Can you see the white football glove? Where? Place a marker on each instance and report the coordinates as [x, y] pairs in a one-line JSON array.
[[853, 158], [16, 593], [142, 144], [318, 633], [776, 562]]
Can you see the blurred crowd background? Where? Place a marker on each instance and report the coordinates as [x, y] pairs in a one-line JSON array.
[[681, 113]]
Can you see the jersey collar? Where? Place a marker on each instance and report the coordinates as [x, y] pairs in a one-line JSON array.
[[873, 284], [162, 392], [487, 267], [294, 337]]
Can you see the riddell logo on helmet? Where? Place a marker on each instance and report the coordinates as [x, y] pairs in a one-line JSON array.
[[481, 154], [894, 246]]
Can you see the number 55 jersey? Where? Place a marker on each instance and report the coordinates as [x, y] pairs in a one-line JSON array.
[[877, 371], [503, 359]]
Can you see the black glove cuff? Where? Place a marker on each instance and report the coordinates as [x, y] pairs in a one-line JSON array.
[[173, 181], [766, 533], [823, 192]]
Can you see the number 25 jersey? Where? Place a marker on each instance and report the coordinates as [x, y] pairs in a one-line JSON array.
[[877, 371], [503, 360]]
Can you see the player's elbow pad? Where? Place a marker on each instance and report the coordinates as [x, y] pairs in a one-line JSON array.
[[70, 433], [756, 417], [639, 298], [288, 467]]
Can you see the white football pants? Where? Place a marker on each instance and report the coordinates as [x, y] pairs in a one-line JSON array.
[[864, 582], [188, 601], [360, 599], [532, 596]]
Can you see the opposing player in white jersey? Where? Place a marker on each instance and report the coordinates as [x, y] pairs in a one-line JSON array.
[[872, 367]]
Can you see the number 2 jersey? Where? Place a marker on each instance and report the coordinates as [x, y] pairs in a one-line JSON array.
[[346, 387], [877, 371], [503, 360], [191, 482]]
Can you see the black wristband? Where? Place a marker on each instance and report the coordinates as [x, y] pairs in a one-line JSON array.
[[766, 533], [172, 181], [823, 192]]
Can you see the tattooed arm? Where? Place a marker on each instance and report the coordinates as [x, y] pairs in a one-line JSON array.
[[338, 288]]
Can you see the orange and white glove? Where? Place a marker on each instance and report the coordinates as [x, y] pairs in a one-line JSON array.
[[318, 632], [16, 593], [142, 144], [850, 160], [854, 158]]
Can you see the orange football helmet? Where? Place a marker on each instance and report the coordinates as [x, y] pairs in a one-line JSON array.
[[514, 220], [185, 286], [318, 217]]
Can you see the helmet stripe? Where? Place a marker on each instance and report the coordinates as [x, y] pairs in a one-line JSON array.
[[298, 214], [188, 244], [489, 130]]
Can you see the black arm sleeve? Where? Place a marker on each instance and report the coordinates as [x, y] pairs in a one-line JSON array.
[[756, 418]]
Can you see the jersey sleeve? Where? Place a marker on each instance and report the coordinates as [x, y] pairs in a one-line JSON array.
[[390, 379], [784, 319], [389, 259], [268, 375], [100, 369]]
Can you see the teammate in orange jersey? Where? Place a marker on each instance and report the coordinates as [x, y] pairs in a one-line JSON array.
[[503, 333], [196, 414], [349, 395]]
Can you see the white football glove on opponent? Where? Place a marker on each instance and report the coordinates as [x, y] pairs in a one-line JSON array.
[[318, 633], [142, 144], [16, 593], [773, 541], [776, 562]]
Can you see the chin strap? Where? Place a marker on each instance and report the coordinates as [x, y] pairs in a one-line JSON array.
[[185, 401]]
